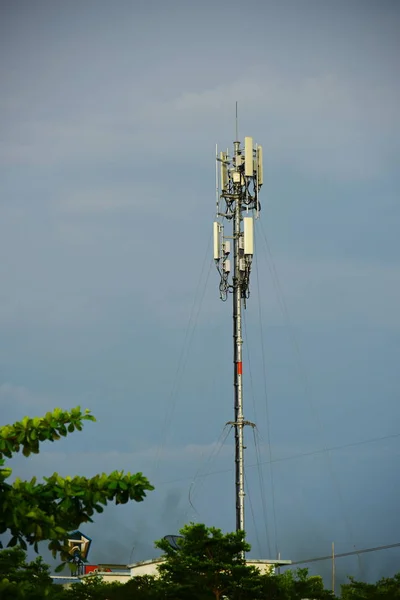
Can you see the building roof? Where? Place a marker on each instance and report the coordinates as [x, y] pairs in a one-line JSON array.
[[112, 566], [269, 561], [254, 561], [150, 561]]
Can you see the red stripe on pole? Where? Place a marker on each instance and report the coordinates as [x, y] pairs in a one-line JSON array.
[[240, 368]]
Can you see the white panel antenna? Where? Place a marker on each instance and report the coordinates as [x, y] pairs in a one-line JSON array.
[[248, 156], [224, 171], [260, 173], [217, 240], [248, 234]]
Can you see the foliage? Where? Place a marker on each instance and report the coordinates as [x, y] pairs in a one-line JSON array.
[[93, 587], [31, 511], [384, 589], [208, 564], [21, 580], [141, 587], [294, 586]]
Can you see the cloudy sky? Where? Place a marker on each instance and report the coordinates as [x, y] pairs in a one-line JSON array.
[[109, 116]]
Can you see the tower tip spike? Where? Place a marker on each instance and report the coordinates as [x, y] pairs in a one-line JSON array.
[[237, 133]]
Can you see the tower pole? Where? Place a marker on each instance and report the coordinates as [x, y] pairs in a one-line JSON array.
[[237, 356], [241, 177]]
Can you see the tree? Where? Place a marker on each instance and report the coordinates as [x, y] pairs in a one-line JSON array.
[[140, 587], [30, 511], [208, 564], [93, 588], [384, 589], [295, 585], [20, 580]]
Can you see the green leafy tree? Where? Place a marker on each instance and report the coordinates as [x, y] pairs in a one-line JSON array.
[[208, 564], [20, 580], [384, 589], [32, 511], [93, 587], [140, 587], [295, 585]]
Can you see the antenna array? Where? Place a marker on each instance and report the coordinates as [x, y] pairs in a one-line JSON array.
[[238, 185]]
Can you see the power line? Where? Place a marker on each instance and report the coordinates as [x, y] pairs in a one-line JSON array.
[[261, 482], [267, 411], [262, 490], [201, 473], [335, 448], [183, 358], [253, 517], [352, 553], [307, 386], [292, 457]]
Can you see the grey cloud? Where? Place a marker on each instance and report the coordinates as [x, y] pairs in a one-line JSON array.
[[108, 132], [320, 125], [17, 401]]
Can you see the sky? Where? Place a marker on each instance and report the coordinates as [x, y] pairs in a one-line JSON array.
[[109, 116]]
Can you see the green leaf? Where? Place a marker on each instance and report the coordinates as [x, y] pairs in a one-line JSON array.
[[32, 514], [32, 511], [23, 544]]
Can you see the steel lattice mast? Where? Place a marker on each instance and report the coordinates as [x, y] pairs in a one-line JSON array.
[[238, 182]]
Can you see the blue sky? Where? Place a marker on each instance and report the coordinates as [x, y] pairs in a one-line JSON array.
[[110, 112]]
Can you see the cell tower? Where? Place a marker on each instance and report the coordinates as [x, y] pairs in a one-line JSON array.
[[238, 181]]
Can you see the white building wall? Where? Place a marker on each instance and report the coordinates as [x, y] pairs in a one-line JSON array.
[[149, 567], [108, 577], [262, 566], [111, 577]]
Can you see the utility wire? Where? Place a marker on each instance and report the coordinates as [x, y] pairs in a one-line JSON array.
[[260, 477], [294, 456], [252, 515], [306, 381], [305, 561], [262, 490], [341, 555], [200, 473], [188, 338], [267, 412]]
